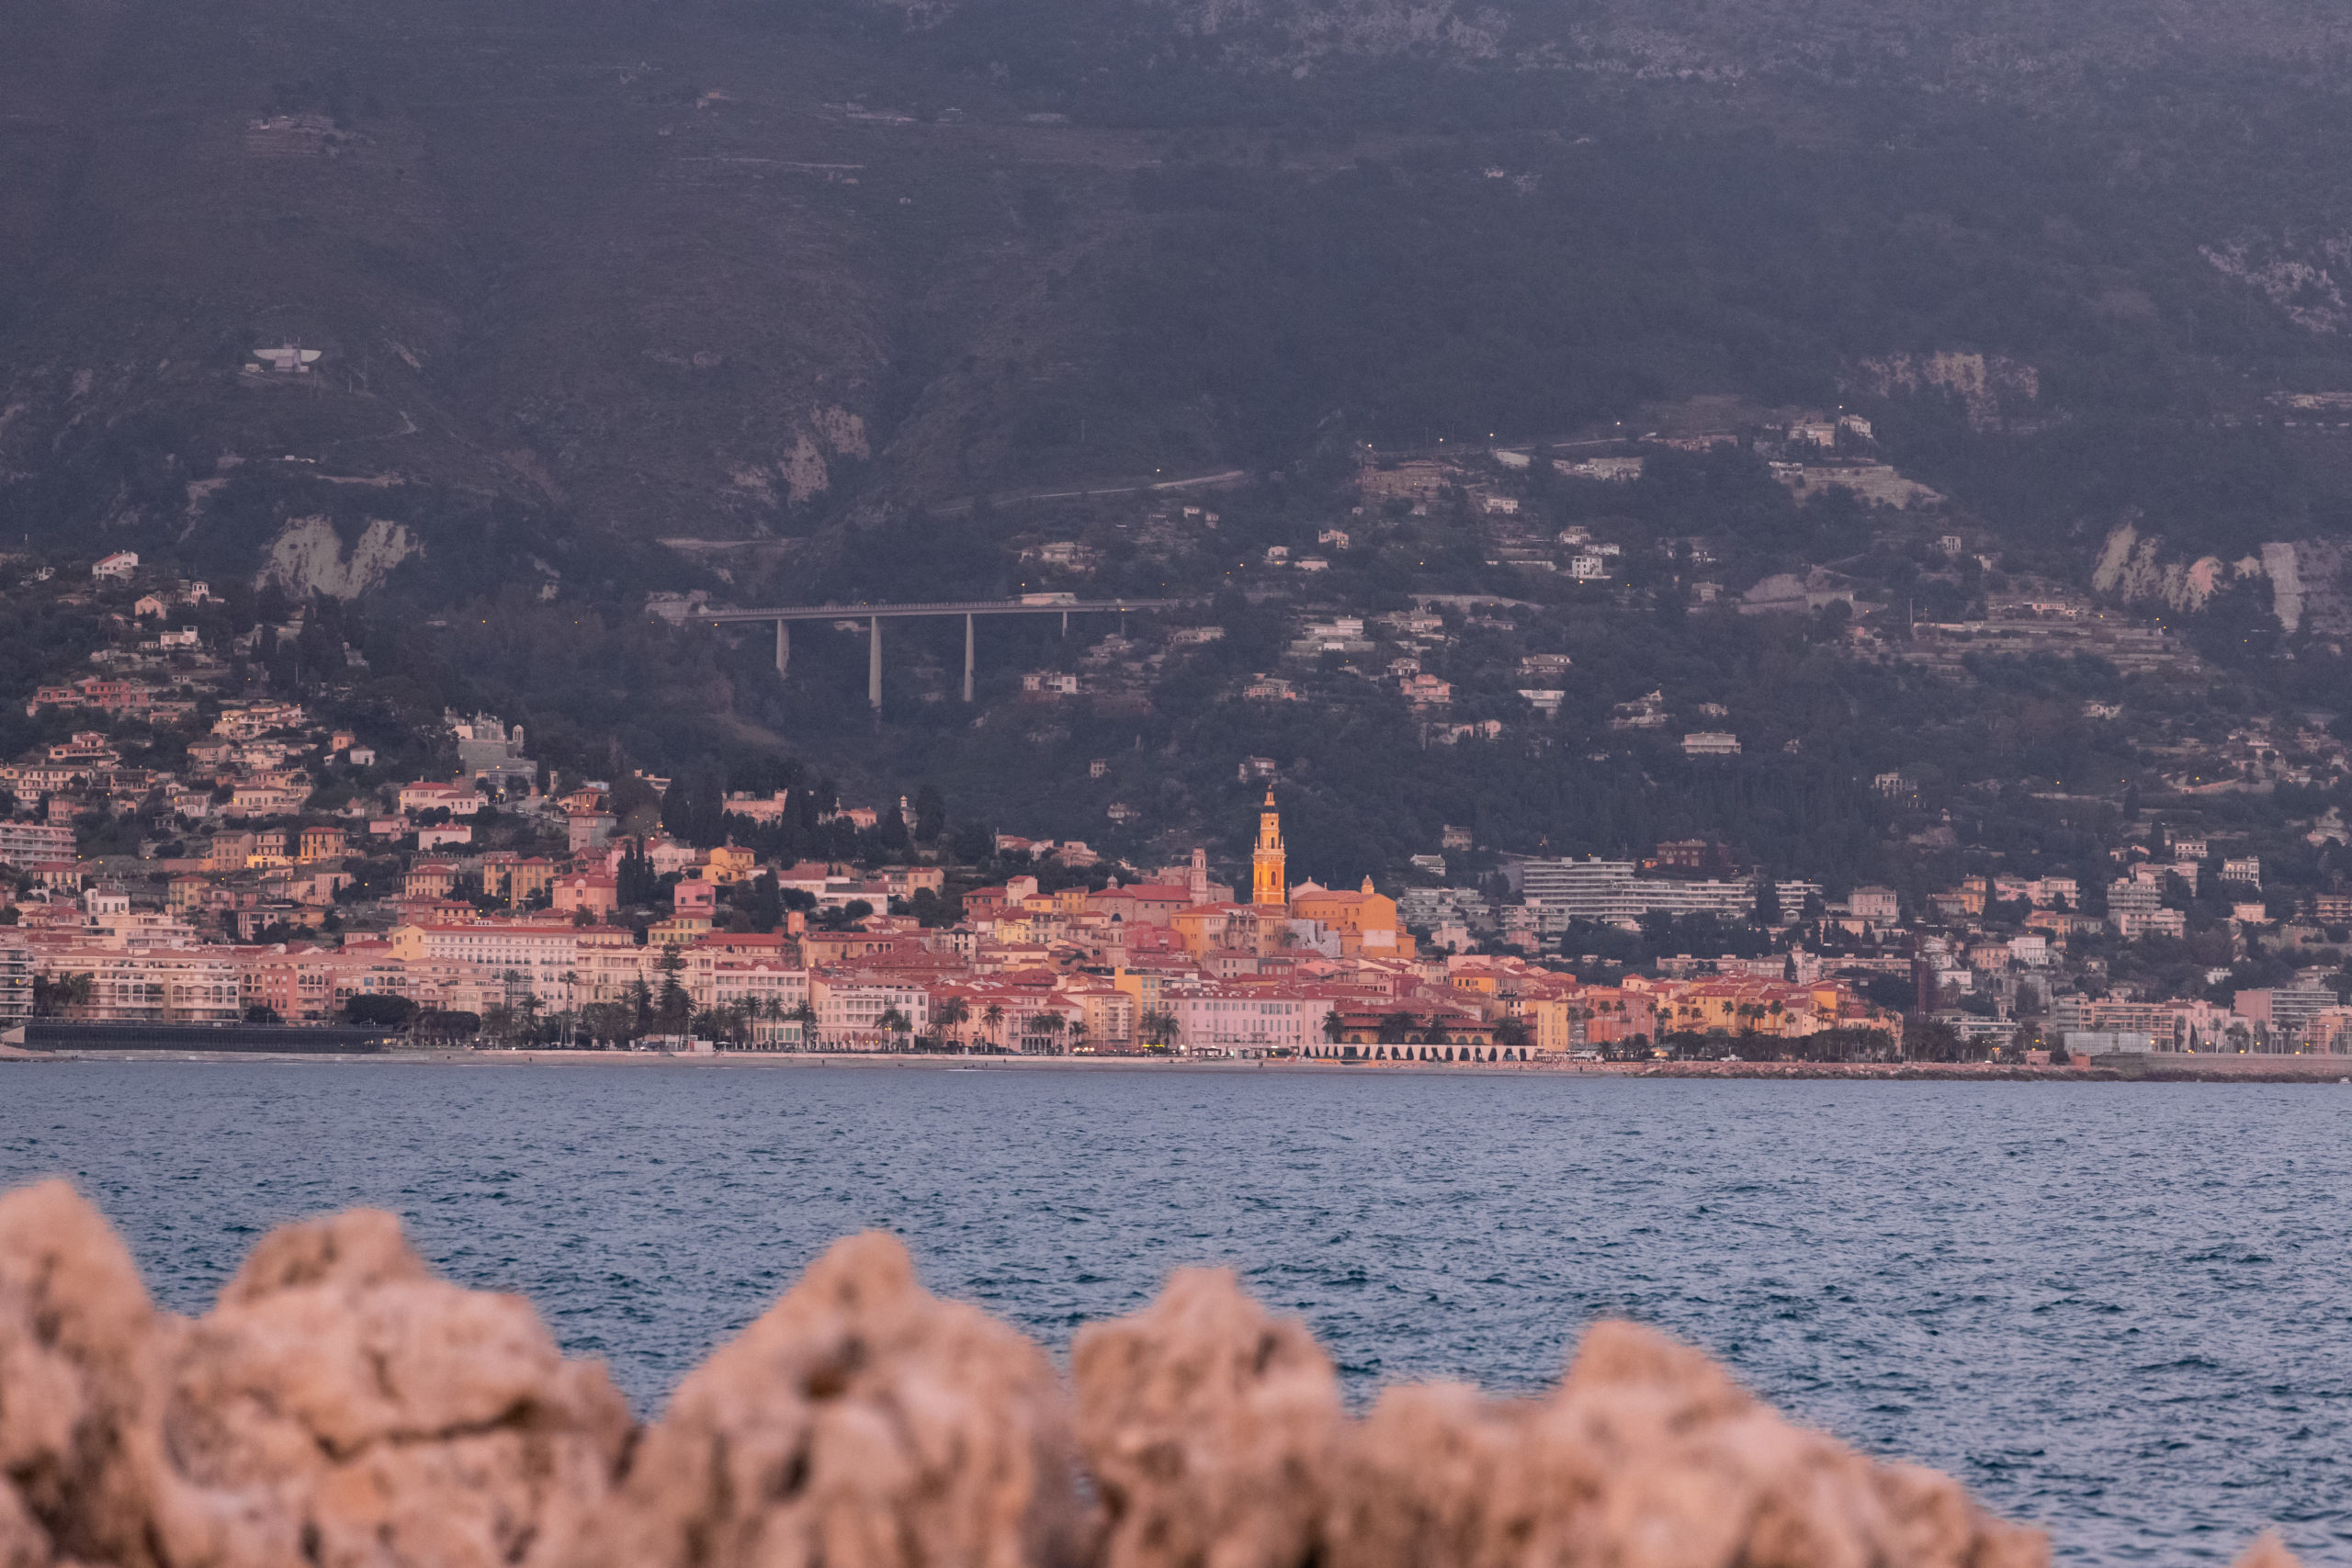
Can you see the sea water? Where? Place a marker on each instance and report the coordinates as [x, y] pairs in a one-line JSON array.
[[2122, 1312]]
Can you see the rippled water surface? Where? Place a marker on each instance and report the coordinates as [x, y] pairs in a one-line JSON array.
[[2119, 1311]]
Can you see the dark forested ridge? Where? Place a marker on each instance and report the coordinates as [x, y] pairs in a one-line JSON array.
[[778, 299], [753, 269]]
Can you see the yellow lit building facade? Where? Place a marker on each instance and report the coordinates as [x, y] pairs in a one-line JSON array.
[[1364, 921], [1268, 887]]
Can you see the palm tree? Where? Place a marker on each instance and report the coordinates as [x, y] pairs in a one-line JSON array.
[[569, 1015], [1077, 1035], [804, 1015], [52, 998], [952, 1015], [1049, 1024], [992, 1020], [893, 1023]]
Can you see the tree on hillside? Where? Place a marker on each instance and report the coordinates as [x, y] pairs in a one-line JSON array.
[[634, 882], [931, 815], [766, 903]]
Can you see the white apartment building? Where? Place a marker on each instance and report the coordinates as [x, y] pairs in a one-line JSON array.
[[1608, 890], [35, 843], [162, 984], [1879, 905], [16, 982], [1225, 1022], [560, 963], [849, 1013], [770, 991]]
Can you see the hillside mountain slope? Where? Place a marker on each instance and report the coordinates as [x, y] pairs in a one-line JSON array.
[[651, 279], [584, 276]]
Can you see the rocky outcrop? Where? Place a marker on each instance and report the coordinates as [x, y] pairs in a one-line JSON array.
[[1996, 391], [2306, 578], [2302, 278], [1647, 1451], [1210, 1429], [341, 1407], [862, 1423], [77, 1334], [2132, 568], [308, 556]]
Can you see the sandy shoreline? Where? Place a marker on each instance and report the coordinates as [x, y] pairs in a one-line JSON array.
[[2173, 1069]]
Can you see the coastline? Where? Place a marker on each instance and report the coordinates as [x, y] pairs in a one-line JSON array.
[[2249, 1069]]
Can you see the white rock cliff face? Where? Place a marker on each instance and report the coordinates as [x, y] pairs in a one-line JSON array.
[[803, 472], [308, 556], [2132, 568], [2306, 578]]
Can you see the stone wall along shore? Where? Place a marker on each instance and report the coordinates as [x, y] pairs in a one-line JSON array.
[[341, 1407]]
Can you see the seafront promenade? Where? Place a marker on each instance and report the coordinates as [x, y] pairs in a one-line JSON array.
[[2144, 1068]]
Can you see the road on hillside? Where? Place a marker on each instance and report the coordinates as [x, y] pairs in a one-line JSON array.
[[1198, 482]]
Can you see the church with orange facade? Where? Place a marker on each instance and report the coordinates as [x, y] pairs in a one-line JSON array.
[[1363, 921]]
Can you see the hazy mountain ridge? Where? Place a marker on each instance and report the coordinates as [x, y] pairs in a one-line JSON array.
[[584, 276], [1990, 46], [590, 304]]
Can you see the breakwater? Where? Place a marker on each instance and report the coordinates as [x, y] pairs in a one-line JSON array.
[[342, 1406]]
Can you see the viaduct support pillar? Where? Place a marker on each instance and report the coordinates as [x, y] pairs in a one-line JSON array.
[[874, 663], [967, 658], [782, 646]]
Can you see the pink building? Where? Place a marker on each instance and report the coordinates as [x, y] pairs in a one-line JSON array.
[[596, 892]]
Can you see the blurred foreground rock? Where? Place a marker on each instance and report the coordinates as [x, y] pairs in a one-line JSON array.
[[862, 1423], [1646, 1454], [1210, 1429], [77, 1343], [341, 1407]]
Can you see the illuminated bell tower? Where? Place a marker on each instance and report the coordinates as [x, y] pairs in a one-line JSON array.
[[1267, 885]]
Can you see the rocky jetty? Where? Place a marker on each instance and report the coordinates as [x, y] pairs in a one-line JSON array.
[[341, 1407]]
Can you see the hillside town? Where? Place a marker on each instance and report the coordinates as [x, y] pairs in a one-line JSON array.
[[193, 848]]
